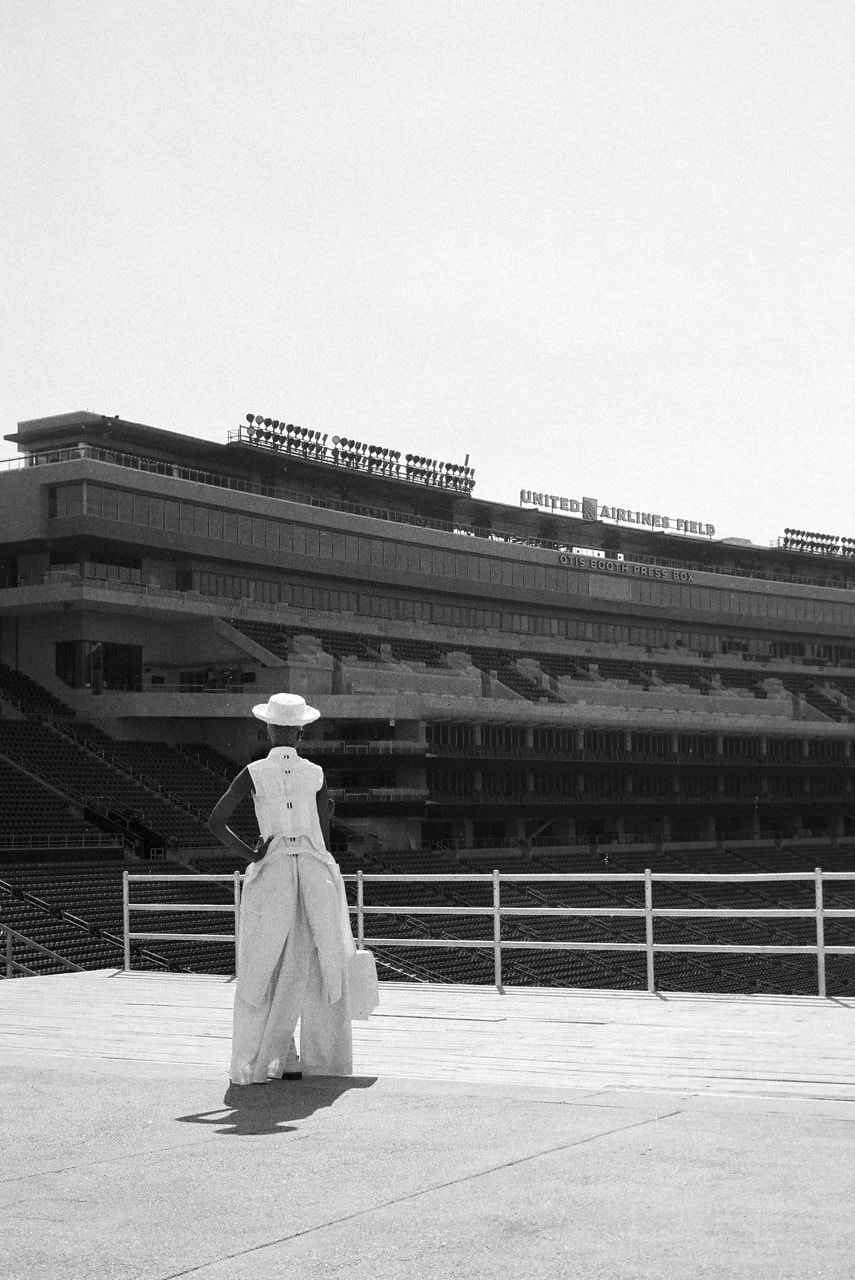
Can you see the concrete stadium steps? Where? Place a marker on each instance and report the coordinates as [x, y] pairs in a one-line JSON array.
[[808, 688], [278, 640], [274, 638], [503, 664]]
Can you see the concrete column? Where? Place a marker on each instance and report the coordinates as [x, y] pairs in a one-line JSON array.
[[529, 737], [476, 735], [580, 739]]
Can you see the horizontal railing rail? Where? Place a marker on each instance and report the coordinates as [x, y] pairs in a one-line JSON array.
[[817, 912], [378, 793], [12, 966], [346, 747], [98, 840]]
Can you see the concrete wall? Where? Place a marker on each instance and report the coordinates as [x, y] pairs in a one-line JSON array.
[[726, 703], [408, 678], [22, 515]]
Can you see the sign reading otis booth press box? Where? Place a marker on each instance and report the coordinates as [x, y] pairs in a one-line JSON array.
[[623, 568]]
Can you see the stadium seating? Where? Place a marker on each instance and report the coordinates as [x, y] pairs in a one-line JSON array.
[[75, 771], [32, 699]]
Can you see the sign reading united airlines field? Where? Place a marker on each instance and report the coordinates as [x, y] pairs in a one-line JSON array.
[[590, 509]]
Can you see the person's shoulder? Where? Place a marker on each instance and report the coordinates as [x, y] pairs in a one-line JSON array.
[[310, 764], [311, 769]]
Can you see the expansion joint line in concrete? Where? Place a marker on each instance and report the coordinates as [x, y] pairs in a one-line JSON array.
[[415, 1195]]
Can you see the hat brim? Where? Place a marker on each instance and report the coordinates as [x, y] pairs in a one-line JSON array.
[[263, 712]]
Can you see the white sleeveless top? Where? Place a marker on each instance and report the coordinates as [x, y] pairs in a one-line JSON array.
[[285, 789]]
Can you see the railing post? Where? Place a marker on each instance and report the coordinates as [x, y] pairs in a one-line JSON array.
[[237, 918], [648, 930], [497, 928], [820, 933], [360, 918], [126, 917], [9, 968]]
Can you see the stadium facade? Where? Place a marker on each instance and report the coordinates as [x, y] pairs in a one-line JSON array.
[[564, 671]]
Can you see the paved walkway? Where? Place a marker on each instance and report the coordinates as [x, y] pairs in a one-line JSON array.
[[539, 1134]]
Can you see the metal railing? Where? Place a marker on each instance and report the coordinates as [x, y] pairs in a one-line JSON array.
[[233, 908], [497, 912], [97, 840], [12, 966], [378, 793], [348, 747]]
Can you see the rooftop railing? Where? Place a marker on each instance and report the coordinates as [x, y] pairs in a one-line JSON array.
[[157, 466], [498, 912]]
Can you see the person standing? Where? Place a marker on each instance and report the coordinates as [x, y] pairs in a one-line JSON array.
[[295, 944]]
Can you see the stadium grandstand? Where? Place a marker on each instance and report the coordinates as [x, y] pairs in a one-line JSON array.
[[559, 687]]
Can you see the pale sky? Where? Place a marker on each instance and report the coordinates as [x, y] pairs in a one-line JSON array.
[[603, 246]]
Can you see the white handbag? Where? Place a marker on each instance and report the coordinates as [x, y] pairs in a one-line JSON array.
[[362, 984]]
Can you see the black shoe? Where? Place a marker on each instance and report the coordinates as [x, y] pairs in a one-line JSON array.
[[291, 1075]]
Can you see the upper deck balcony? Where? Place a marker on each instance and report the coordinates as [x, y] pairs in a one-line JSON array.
[[300, 465]]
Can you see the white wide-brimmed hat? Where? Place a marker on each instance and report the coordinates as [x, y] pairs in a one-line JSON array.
[[287, 709]]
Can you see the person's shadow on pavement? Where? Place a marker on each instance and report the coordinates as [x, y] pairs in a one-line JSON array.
[[270, 1108]]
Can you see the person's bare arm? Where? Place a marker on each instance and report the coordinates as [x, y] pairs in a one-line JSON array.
[[223, 810], [323, 799]]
